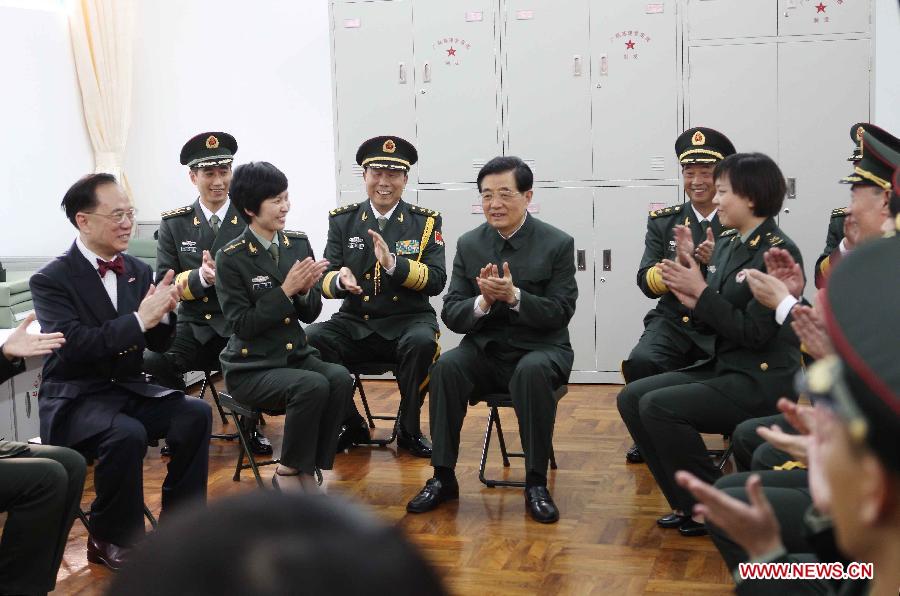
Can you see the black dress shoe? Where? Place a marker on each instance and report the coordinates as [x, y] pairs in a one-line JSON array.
[[673, 520], [417, 445], [353, 433], [260, 445], [434, 493], [691, 528], [633, 455], [106, 553], [540, 505]]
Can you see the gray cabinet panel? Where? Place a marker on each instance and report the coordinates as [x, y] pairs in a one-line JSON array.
[[817, 17], [7, 417], [724, 19], [25, 397]]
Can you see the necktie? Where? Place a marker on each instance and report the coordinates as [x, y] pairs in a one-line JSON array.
[[117, 265], [214, 223], [704, 225], [273, 250], [382, 221]]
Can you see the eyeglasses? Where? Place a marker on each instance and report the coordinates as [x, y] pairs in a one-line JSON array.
[[503, 195], [118, 216]]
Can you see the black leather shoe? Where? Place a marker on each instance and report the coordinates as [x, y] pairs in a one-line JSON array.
[[633, 455], [673, 520], [353, 433], [417, 445], [106, 553], [540, 505], [259, 444], [434, 493], [691, 528]]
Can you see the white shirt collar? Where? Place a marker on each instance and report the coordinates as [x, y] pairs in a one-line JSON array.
[[386, 215], [221, 212], [88, 253], [708, 218], [516, 230]]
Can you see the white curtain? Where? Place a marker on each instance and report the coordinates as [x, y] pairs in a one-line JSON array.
[[102, 37]]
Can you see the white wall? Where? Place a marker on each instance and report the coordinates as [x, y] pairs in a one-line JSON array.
[[258, 70], [887, 66], [44, 145]]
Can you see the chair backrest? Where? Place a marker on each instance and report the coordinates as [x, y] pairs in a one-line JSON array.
[[504, 400]]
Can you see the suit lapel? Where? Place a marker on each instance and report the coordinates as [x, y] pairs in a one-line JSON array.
[[205, 233], [260, 257], [366, 221], [89, 286], [716, 225], [747, 250], [128, 293], [228, 230]]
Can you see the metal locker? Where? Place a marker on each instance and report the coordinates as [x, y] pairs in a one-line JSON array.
[[815, 17], [457, 88], [373, 78], [345, 197], [546, 87], [728, 19], [620, 224], [817, 106], [635, 75], [7, 416], [734, 89], [25, 400]]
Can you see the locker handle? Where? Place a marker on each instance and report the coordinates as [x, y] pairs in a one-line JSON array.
[[792, 188], [607, 259], [426, 73], [402, 80], [581, 259], [604, 65], [576, 65]]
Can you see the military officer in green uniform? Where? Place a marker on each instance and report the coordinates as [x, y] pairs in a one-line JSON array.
[[386, 257], [670, 339], [512, 295], [268, 281], [188, 238], [752, 365]]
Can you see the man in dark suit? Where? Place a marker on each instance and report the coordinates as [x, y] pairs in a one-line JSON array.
[[386, 257], [94, 396], [40, 487], [189, 237], [670, 339], [512, 294]]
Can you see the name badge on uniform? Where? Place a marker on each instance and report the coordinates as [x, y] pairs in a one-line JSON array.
[[741, 276], [261, 282], [407, 247], [356, 242], [188, 246]]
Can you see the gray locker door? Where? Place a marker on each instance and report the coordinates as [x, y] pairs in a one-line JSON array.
[[823, 88], [635, 78], [25, 400], [734, 89], [457, 82], [373, 78], [546, 87], [812, 17], [620, 227], [7, 416], [726, 19], [345, 197]]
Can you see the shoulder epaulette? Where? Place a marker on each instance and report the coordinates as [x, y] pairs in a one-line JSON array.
[[176, 212], [728, 232], [344, 209], [839, 212], [664, 212], [774, 240], [423, 211], [234, 246], [294, 234]]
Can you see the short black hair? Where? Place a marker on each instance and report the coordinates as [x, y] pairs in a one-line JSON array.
[[254, 182], [276, 543], [82, 196], [505, 163], [756, 177]]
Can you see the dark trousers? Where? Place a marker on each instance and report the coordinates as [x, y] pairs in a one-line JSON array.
[[751, 452], [314, 395], [186, 353], [788, 492], [414, 352], [41, 491], [117, 514], [663, 347], [466, 373], [665, 415]]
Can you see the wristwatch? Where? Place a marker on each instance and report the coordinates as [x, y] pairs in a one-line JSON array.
[[518, 294]]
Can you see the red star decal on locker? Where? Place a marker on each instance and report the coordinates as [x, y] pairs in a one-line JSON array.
[[451, 52], [629, 45], [820, 7]]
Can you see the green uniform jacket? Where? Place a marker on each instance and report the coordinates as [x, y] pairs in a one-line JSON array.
[[659, 244], [835, 235], [389, 303], [542, 264], [184, 234], [266, 324], [748, 340]]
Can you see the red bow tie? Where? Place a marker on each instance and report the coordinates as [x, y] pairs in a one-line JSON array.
[[117, 265]]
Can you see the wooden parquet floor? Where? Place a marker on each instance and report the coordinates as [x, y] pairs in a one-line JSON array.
[[606, 542]]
